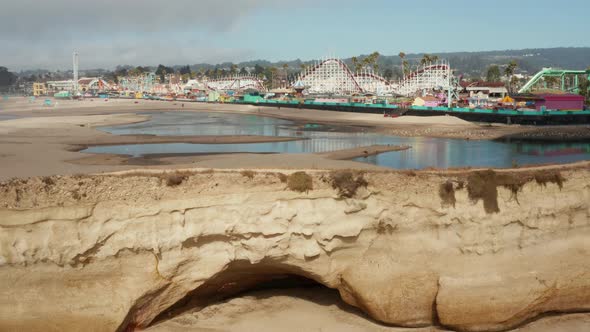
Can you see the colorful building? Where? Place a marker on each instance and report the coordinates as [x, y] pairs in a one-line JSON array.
[[58, 86], [92, 84], [426, 101], [39, 89], [551, 101], [569, 102]]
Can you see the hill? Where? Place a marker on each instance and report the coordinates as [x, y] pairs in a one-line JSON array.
[[467, 63]]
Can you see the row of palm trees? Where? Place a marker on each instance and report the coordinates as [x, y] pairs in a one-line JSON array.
[[494, 74], [358, 64], [370, 61], [405, 64]]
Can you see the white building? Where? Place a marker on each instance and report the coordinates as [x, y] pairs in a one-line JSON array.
[[57, 86]]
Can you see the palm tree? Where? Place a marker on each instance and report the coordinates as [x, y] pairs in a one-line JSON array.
[[509, 72], [358, 65], [551, 81], [402, 56], [427, 59], [374, 60], [273, 75], [366, 62], [234, 69], [286, 72]]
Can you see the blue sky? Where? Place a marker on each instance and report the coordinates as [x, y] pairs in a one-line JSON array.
[[148, 32]]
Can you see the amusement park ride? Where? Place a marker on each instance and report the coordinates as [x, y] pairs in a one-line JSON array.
[[143, 83], [235, 82], [75, 72], [569, 79], [332, 76]]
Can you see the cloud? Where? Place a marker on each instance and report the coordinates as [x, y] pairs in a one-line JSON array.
[[33, 18], [109, 32], [112, 53]]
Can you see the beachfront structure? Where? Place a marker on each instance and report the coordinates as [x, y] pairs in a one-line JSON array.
[[194, 86], [373, 83], [280, 92], [94, 84], [58, 86], [235, 83], [433, 76], [568, 80], [567, 101], [493, 90], [332, 76], [140, 83], [427, 101], [484, 94], [39, 89], [550, 101]]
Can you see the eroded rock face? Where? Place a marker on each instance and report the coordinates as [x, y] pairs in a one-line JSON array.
[[116, 252]]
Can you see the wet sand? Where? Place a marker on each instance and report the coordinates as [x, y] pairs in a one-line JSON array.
[[331, 160], [152, 139], [46, 140], [409, 126], [365, 151]]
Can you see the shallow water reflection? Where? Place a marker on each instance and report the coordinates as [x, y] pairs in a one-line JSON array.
[[425, 152], [7, 117]]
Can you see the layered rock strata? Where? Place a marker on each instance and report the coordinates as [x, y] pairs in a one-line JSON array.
[[464, 251]]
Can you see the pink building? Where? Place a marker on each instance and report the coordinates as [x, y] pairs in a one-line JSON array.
[[427, 101], [568, 102]]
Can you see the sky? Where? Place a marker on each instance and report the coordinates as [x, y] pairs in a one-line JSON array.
[[44, 33]]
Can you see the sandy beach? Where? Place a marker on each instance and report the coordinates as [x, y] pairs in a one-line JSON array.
[[45, 140]]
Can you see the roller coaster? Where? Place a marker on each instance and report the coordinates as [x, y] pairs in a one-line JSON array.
[[333, 76], [235, 82], [330, 76], [141, 83], [437, 76], [568, 79]]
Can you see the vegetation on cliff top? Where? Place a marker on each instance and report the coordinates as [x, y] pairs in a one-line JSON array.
[[483, 185]]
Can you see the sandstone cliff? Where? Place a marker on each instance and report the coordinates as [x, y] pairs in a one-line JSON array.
[[484, 251]]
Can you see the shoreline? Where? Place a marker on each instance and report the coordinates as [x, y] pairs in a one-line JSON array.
[[154, 159], [153, 139], [133, 234], [56, 135], [406, 126]]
